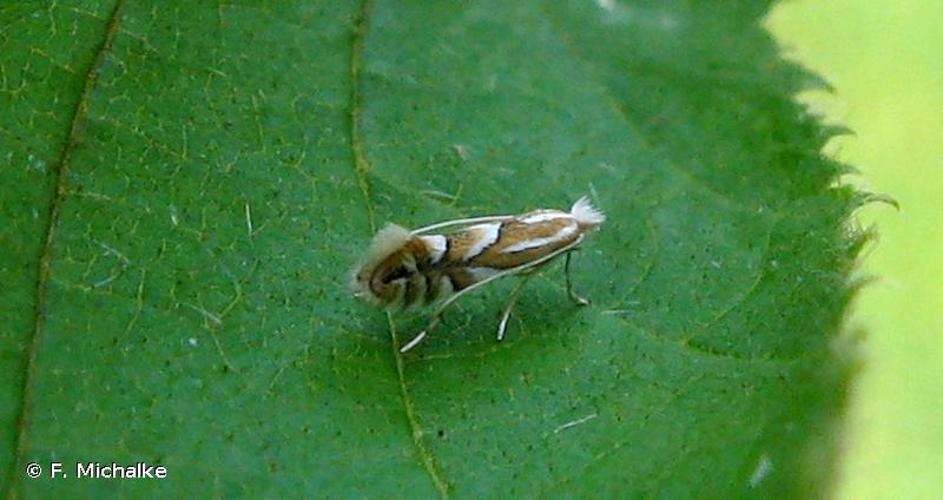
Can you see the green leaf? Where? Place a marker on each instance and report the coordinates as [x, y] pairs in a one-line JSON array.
[[185, 189]]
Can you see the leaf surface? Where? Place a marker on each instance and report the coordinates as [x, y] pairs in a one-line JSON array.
[[177, 269]]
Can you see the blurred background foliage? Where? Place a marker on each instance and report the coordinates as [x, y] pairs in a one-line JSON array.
[[883, 58]]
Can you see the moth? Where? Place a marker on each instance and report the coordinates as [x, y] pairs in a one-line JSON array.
[[404, 268]]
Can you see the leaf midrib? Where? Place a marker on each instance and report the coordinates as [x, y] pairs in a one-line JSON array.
[[361, 168]]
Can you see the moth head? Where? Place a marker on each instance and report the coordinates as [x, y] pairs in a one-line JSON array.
[[389, 264]]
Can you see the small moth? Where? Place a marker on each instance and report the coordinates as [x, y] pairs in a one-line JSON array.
[[405, 268]]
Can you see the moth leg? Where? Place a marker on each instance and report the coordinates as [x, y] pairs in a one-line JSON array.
[[512, 298], [520, 269], [434, 319], [421, 335], [580, 301]]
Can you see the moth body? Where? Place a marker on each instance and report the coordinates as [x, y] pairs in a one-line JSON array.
[[406, 268]]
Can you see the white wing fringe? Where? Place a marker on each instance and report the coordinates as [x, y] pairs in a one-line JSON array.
[[586, 214]]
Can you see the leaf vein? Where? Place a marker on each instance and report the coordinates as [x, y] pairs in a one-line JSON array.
[[361, 165], [45, 258], [361, 168]]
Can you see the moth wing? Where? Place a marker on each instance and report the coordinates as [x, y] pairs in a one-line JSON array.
[[462, 223], [508, 272]]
